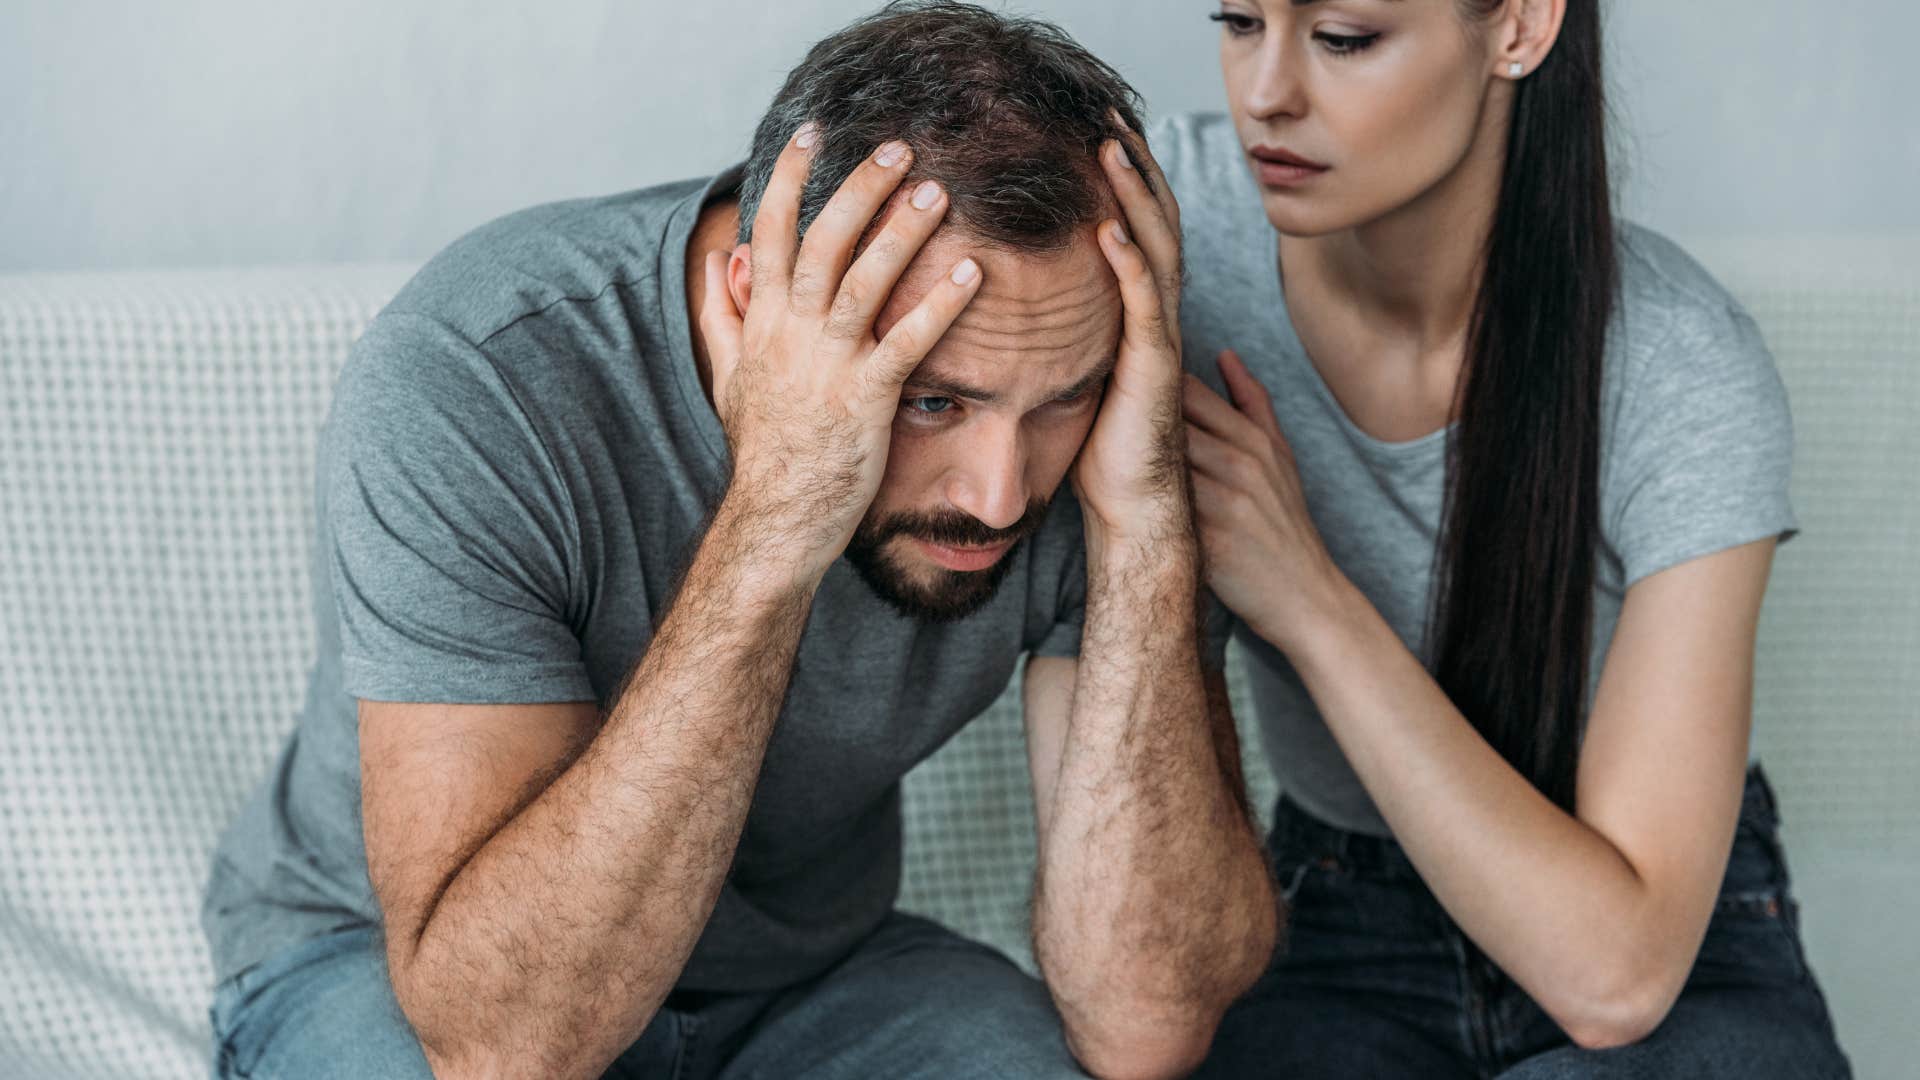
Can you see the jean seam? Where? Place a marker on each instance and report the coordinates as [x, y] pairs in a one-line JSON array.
[[685, 1053]]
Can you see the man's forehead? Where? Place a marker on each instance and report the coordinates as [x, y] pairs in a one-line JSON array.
[[1028, 302], [1056, 314]]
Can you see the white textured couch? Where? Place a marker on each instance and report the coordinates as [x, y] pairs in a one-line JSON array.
[[156, 441]]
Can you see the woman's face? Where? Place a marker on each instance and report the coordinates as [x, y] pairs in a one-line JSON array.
[[1377, 102]]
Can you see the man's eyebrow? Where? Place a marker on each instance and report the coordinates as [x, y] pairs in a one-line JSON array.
[[1310, 3], [1090, 380], [954, 388]]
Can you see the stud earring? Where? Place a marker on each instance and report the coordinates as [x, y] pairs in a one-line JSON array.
[[1516, 69]]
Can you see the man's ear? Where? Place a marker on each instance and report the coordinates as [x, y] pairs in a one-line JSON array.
[[740, 276]]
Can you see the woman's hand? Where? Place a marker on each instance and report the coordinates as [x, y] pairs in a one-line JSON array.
[[1263, 555]]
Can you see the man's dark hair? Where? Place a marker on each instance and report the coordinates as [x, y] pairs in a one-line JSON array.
[[1008, 114]]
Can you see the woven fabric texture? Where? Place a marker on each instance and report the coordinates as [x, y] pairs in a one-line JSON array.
[[156, 445]]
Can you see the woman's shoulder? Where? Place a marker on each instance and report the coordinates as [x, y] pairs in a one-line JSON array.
[[1200, 153], [1194, 140], [1668, 299], [1678, 330]]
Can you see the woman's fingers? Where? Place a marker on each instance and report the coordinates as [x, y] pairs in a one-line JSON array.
[[1208, 410], [909, 340], [1251, 398], [1210, 455]]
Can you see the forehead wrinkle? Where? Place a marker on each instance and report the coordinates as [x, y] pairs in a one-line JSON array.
[[1058, 302]]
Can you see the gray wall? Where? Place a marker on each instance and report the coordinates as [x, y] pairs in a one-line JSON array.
[[211, 132]]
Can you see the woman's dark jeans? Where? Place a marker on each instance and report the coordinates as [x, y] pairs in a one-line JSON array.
[[1376, 981]]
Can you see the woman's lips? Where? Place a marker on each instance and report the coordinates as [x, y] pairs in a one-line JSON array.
[[964, 558], [1278, 167]]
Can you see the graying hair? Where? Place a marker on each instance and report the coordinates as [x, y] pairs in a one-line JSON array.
[[1008, 114]]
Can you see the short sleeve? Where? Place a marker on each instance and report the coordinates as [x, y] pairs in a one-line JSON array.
[[1703, 448], [1216, 630], [1057, 612], [446, 532]]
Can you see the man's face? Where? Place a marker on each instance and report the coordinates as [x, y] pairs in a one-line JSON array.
[[990, 421]]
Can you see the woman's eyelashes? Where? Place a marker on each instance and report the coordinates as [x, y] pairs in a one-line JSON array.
[[1346, 44], [1236, 24], [1243, 26]]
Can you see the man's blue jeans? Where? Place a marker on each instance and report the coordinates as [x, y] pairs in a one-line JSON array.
[[914, 1000], [1376, 981]]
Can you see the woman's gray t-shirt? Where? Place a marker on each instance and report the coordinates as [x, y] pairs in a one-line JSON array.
[[1696, 440]]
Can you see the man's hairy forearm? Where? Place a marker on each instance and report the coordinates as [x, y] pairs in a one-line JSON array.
[[549, 951], [1154, 907]]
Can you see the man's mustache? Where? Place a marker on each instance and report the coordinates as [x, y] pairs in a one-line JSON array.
[[955, 529]]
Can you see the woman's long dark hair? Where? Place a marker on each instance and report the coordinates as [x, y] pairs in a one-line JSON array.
[[1512, 617]]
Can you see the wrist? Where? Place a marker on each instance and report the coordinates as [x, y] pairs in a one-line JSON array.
[[768, 551], [1156, 525], [1317, 625]]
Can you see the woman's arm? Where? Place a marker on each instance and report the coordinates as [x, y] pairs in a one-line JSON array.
[[1597, 914]]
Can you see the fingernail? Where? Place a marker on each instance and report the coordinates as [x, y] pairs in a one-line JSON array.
[[1121, 157], [966, 272], [926, 195], [1119, 234], [805, 137], [890, 154]]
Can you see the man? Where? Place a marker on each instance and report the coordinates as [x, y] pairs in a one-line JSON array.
[[661, 534]]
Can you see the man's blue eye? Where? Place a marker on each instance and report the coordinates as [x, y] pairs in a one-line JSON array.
[[930, 405]]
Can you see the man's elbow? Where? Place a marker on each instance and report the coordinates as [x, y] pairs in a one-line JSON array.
[[1164, 1053]]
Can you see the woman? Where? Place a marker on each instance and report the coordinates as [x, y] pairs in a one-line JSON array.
[[1500, 608]]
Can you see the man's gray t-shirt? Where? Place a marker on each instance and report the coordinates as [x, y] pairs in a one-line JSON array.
[[1696, 440], [518, 464]]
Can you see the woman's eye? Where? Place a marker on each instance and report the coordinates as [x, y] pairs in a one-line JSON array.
[[1346, 44], [932, 406], [1237, 25]]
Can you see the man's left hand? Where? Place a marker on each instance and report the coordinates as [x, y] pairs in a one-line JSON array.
[[1131, 474]]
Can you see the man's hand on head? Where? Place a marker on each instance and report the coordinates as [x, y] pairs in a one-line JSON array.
[[1131, 476], [809, 401]]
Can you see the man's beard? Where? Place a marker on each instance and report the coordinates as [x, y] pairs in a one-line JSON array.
[[951, 595]]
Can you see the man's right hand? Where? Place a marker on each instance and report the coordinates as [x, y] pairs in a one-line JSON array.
[[809, 396]]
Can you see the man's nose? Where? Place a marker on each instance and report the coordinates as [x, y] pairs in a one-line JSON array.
[[991, 483]]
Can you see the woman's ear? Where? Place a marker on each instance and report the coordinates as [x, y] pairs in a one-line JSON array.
[[1526, 35], [740, 277]]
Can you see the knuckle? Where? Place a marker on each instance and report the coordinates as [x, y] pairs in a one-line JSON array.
[[845, 320], [1245, 472], [888, 248], [904, 340], [806, 285]]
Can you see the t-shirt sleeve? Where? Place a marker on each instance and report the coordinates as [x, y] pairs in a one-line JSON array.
[[447, 536], [1704, 447], [1216, 630], [1057, 612]]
